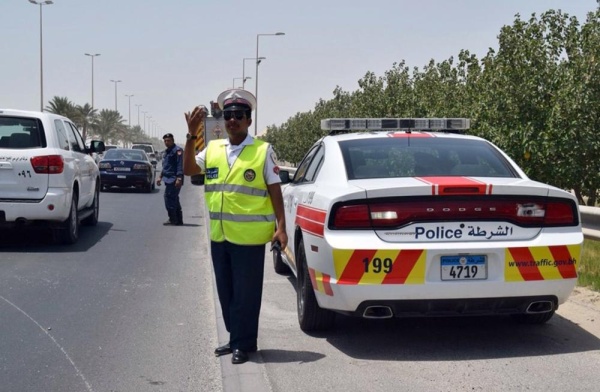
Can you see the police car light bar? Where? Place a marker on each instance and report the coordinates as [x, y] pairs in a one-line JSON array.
[[422, 124]]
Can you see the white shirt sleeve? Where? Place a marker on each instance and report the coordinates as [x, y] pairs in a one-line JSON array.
[[271, 172], [201, 159]]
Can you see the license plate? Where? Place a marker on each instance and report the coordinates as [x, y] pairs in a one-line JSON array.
[[464, 267], [122, 177], [122, 169]]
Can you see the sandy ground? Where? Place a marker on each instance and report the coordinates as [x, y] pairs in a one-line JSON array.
[[583, 309]]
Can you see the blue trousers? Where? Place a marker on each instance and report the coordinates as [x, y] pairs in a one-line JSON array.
[[172, 201], [239, 273]]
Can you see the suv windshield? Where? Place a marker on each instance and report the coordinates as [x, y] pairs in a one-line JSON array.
[[18, 133], [146, 147]]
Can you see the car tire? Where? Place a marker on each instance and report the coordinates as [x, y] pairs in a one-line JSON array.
[[69, 230], [92, 220], [533, 318], [311, 316], [278, 265]]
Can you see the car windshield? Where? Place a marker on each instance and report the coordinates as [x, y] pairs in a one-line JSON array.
[[126, 154], [19, 133], [420, 157]]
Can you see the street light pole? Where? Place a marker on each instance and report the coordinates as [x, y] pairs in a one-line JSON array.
[[144, 112], [256, 81], [92, 56], [41, 3], [129, 96], [234, 79], [244, 68], [115, 82], [138, 106]]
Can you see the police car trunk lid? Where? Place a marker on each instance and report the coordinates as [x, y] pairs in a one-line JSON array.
[[459, 208]]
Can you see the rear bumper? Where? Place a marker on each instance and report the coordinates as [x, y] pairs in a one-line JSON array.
[[54, 207], [446, 298], [131, 179], [456, 307]]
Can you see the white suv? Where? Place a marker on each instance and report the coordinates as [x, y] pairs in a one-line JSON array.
[[47, 174], [149, 149]]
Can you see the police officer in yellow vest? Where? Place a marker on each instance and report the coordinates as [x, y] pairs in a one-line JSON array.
[[244, 202]]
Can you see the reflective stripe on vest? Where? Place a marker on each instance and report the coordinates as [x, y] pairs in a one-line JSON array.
[[239, 206], [235, 188]]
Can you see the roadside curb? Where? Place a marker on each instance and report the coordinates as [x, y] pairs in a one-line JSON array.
[[247, 377]]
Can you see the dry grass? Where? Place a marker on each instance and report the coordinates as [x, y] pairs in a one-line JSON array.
[[589, 269]]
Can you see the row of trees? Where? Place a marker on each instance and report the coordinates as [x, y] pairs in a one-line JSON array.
[[106, 125], [537, 97]]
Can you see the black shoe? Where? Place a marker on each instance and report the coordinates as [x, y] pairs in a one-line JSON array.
[[180, 223], [239, 356], [223, 350], [168, 223]]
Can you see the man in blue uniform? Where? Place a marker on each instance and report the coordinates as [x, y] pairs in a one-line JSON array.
[[172, 173]]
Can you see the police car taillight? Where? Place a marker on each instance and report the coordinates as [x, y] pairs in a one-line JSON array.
[[364, 216], [421, 124], [521, 211]]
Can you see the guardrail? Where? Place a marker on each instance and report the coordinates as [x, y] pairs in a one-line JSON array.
[[590, 216], [590, 221]]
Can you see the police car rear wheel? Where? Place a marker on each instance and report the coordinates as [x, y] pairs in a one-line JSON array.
[[310, 316]]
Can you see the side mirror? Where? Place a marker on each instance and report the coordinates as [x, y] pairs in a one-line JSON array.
[[197, 179], [285, 177], [97, 146]]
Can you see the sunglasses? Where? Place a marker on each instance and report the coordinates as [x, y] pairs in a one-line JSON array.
[[237, 114]]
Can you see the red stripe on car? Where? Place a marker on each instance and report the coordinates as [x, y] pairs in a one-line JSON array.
[[356, 268], [402, 266], [456, 186], [529, 271], [562, 254]]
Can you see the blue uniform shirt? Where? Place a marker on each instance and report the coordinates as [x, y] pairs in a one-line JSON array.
[[172, 164]]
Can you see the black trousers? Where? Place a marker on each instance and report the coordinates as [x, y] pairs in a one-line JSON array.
[[239, 273]]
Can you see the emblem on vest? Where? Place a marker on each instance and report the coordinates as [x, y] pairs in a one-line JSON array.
[[249, 175], [212, 173]]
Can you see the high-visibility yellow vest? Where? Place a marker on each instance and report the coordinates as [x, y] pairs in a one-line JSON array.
[[237, 198]]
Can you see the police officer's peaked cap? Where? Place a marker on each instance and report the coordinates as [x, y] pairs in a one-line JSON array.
[[236, 98]]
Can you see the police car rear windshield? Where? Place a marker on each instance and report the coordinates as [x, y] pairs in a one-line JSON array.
[[389, 157]]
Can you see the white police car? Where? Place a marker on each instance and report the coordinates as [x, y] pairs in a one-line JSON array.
[[409, 217]]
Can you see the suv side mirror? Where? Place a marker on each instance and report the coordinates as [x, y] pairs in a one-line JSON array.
[[97, 146]]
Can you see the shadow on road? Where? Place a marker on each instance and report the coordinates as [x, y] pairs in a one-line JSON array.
[[454, 338], [40, 240]]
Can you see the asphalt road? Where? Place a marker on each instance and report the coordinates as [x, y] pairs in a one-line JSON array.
[[128, 308], [131, 307]]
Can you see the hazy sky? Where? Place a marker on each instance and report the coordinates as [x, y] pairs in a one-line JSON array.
[[175, 54]]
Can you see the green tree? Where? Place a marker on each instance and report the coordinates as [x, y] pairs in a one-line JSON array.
[[84, 116], [61, 106], [109, 126]]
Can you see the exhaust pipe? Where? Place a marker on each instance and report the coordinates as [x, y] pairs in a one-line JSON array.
[[540, 307], [21, 222], [378, 312]]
